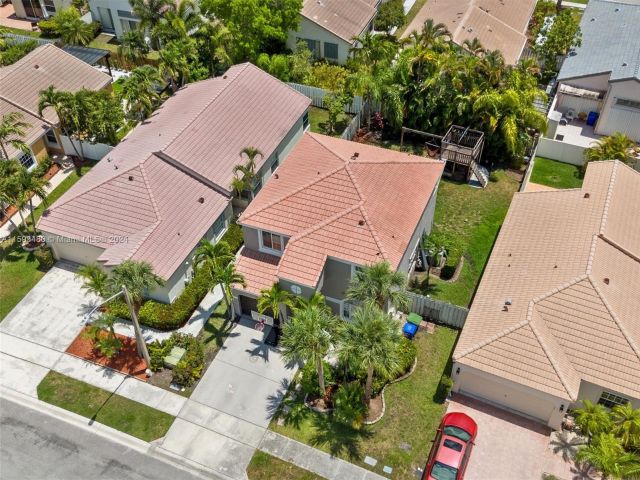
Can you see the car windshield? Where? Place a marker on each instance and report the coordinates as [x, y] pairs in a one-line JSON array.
[[440, 471], [452, 445], [457, 432]]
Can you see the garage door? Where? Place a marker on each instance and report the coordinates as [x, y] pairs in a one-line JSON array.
[[505, 396], [77, 252]]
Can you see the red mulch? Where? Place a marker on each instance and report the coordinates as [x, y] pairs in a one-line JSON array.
[[125, 361]]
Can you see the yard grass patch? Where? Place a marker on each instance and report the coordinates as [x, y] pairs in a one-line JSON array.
[[266, 467], [318, 118], [112, 410], [402, 439], [556, 174]]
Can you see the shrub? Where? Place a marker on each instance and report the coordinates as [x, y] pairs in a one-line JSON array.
[[48, 28], [45, 257], [12, 52], [407, 353], [234, 237], [330, 77], [43, 166], [348, 403], [190, 367], [157, 351], [309, 379], [390, 14]]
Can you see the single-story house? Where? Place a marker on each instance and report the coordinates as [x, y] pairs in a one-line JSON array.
[[497, 24], [167, 184], [555, 317], [599, 80], [20, 86], [331, 207], [37, 9], [329, 27]]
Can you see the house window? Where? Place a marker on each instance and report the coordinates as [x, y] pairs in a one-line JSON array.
[[51, 137], [218, 226], [272, 241], [331, 50], [26, 160], [627, 103], [610, 400], [313, 46], [305, 120], [49, 7], [128, 25]]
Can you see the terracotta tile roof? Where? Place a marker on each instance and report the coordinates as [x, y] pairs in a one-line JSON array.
[[345, 19], [21, 83], [569, 262], [257, 268], [497, 24], [330, 202], [184, 152]]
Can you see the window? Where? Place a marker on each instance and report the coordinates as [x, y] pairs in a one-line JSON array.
[[331, 50], [128, 25], [275, 164], [49, 7], [627, 103], [218, 226], [312, 45], [106, 19], [272, 241], [610, 400], [51, 137], [305, 120], [26, 160]]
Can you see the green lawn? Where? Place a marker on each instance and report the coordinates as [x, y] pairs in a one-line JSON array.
[[101, 406], [402, 438], [265, 467], [556, 174], [467, 221], [318, 118], [19, 31], [19, 269]]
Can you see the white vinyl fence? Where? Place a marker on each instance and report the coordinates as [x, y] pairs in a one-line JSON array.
[[317, 97], [92, 151], [438, 311]]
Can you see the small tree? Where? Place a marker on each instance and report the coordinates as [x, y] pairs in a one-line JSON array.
[[110, 344], [138, 278], [133, 47], [139, 91], [379, 283], [613, 147], [94, 279], [607, 455], [227, 277], [592, 419], [212, 256], [33, 186], [390, 15], [244, 174], [334, 103], [316, 300], [10, 187], [275, 300], [626, 425], [68, 24]]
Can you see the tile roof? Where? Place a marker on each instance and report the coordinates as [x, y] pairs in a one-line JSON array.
[[257, 268], [21, 83], [330, 202], [148, 188], [569, 262], [345, 19], [497, 24], [610, 42]]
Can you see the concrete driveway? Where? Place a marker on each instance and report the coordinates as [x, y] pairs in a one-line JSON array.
[[509, 446]]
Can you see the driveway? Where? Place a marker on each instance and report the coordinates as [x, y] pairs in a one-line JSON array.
[[509, 446]]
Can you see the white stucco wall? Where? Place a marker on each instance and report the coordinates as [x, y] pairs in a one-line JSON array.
[[313, 31], [592, 392], [592, 82], [113, 6], [616, 118], [21, 13], [67, 249]]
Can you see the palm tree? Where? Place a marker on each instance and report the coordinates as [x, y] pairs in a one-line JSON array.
[[617, 146], [371, 340], [275, 300], [431, 34], [606, 454], [10, 188], [109, 345], [217, 41], [176, 59], [178, 22], [150, 12], [493, 67], [71, 28], [94, 279], [12, 132], [138, 278], [248, 170], [226, 276], [592, 419], [308, 337], [212, 256], [133, 46], [62, 104], [33, 186], [372, 50], [316, 300], [626, 425], [474, 47], [380, 284], [140, 93]]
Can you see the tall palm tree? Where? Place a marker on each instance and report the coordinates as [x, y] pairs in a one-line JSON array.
[[606, 454], [247, 170], [12, 132], [373, 50], [380, 284], [493, 67], [133, 47], [227, 277], [138, 278], [33, 186], [139, 91], [212, 256], [617, 146], [94, 279], [592, 419], [176, 60], [626, 425], [316, 300], [63, 105], [275, 300], [178, 22], [308, 337], [431, 34], [150, 12], [372, 341], [10, 188], [474, 47]]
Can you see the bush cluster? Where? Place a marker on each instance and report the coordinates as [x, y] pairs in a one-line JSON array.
[[190, 367], [233, 236], [12, 52], [45, 258], [43, 167], [309, 378]]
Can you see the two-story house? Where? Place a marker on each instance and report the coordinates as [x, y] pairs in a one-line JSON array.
[[331, 207]]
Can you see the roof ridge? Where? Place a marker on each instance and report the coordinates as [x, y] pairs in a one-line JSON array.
[[607, 201], [374, 233], [145, 179], [498, 20]]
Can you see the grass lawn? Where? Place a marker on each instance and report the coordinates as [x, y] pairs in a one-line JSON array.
[[556, 174], [402, 438], [19, 270], [318, 118], [19, 31], [112, 410], [265, 467], [467, 221]]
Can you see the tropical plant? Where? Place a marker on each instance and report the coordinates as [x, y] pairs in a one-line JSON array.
[[68, 24], [137, 277], [613, 147], [178, 22], [308, 337], [348, 404], [215, 45], [139, 91], [334, 103], [626, 425], [33, 186], [561, 36], [12, 131], [109, 344], [607, 455], [179, 62], [10, 188], [227, 277], [94, 279], [133, 46], [592, 419], [244, 174], [390, 14], [275, 300], [474, 47], [371, 340], [431, 34], [212, 255], [150, 12], [380, 284], [316, 300]]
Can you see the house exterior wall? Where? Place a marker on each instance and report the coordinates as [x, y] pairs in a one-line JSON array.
[[592, 82], [592, 392], [67, 249], [251, 238], [312, 31], [616, 118], [287, 285], [39, 149], [100, 7], [20, 12], [337, 276], [281, 152]]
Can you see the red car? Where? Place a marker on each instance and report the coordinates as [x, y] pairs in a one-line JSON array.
[[451, 448]]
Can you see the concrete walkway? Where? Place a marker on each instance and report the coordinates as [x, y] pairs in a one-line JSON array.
[[581, 6]]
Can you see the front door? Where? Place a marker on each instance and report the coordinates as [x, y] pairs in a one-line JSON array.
[[32, 8]]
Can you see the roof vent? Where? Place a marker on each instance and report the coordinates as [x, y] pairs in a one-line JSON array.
[[586, 195], [592, 19], [625, 64], [131, 178], [36, 66], [356, 155], [555, 266], [276, 176], [508, 301], [115, 167], [505, 308], [201, 200], [606, 281], [361, 222], [224, 77], [616, 10]]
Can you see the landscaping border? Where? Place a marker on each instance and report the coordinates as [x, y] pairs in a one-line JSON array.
[[384, 403]]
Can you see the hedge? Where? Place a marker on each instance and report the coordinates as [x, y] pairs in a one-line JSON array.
[[233, 236]]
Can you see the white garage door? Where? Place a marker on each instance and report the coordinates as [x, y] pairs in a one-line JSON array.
[[505, 396]]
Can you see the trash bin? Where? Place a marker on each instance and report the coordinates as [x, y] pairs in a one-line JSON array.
[[592, 118]]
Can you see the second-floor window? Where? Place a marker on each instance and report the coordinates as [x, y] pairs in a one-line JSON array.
[[272, 241]]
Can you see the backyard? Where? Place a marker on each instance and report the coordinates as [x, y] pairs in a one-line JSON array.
[[318, 118], [402, 438], [556, 174], [265, 467]]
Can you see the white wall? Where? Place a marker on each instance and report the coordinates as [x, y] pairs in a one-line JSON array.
[[577, 104], [20, 11], [560, 151], [113, 6], [615, 118], [67, 249], [592, 392], [593, 82], [92, 151], [313, 31]]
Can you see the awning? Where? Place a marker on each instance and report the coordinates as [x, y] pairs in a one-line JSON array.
[[581, 92]]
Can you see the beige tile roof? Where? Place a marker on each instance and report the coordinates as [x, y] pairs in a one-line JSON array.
[[344, 18], [569, 262], [331, 203], [147, 189], [497, 24], [21, 83]]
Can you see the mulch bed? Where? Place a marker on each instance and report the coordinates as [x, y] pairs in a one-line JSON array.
[[375, 408], [126, 360]]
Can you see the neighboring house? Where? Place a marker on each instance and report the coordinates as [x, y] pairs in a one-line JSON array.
[[555, 317], [115, 16], [167, 184], [37, 9], [20, 87], [600, 80], [332, 207], [329, 27], [497, 24]]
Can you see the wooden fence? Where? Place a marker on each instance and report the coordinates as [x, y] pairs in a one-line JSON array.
[[438, 311]]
